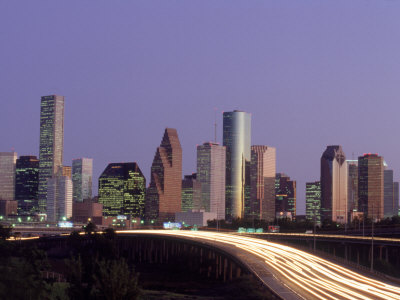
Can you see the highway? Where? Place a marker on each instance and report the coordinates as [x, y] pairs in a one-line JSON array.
[[308, 276]]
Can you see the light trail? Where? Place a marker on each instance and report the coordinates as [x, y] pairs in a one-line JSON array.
[[305, 273]]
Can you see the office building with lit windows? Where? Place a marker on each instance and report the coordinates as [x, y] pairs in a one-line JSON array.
[[370, 186], [237, 140], [334, 205], [211, 159], [163, 198], [285, 195], [82, 172], [122, 190], [262, 181], [51, 143], [191, 193], [313, 202], [27, 184], [7, 175]]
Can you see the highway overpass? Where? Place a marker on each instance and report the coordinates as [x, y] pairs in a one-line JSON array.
[[288, 272]]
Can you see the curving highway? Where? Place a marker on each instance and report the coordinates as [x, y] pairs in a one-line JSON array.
[[306, 275]]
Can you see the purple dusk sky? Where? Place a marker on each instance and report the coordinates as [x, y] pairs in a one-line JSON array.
[[312, 73]]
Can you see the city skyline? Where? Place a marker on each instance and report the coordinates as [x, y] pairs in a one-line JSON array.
[[302, 71]]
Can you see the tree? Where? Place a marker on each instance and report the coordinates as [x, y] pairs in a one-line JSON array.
[[90, 228], [114, 280], [5, 232]]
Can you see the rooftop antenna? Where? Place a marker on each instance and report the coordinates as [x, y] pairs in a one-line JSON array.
[[352, 155], [215, 125]]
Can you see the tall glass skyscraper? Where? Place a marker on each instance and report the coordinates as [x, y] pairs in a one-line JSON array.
[[122, 190], [211, 174], [82, 172], [237, 140], [51, 142], [370, 185], [7, 175], [26, 184], [334, 185], [262, 180], [164, 193]]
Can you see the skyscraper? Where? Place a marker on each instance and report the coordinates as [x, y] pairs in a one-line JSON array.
[[352, 185], [51, 142], [27, 184], [59, 198], [370, 185], [285, 194], [7, 175], [237, 140], [313, 202], [191, 193], [396, 198], [82, 172], [122, 190], [164, 193], [262, 181], [389, 204], [211, 159], [334, 185]]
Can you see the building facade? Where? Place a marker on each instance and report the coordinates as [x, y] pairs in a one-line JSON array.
[[164, 193], [313, 202], [82, 172], [122, 190], [211, 159], [390, 207], [59, 198], [7, 175], [262, 182], [352, 185], [27, 184], [285, 195], [191, 193], [370, 186], [51, 143], [237, 140], [334, 205]]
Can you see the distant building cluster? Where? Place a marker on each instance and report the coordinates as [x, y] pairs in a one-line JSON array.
[[352, 189], [232, 180]]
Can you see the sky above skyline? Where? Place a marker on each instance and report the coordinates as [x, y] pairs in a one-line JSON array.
[[311, 73]]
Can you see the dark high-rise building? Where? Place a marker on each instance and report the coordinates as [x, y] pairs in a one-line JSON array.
[[285, 194], [352, 185], [51, 143], [27, 184], [262, 181], [313, 202], [191, 193], [237, 140], [370, 185], [334, 185], [164, 193], [211, 158], [122, 190], [389, 201], [396, 198]]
